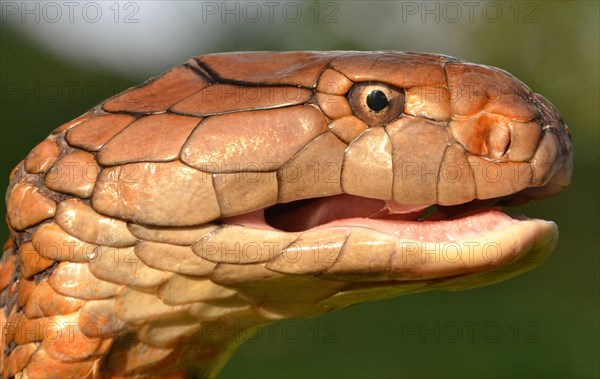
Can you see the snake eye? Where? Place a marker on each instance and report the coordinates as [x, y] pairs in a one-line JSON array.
[[376, 103]]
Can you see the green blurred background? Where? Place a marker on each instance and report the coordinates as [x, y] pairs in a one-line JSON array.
[[542, 324]]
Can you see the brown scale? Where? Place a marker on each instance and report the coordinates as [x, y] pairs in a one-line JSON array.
[[119, 255]]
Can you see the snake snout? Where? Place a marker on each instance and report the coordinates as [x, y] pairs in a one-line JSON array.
[[553, 157]]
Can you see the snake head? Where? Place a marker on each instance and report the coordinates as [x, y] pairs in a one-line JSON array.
[[240, 189]]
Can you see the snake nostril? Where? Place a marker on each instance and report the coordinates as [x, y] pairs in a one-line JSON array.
[[486, 135], [497, 141]]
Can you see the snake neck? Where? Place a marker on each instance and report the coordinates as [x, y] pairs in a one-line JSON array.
[[206, 359], [201, 354]]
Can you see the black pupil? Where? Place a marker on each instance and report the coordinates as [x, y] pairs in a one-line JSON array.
[[377, 101]]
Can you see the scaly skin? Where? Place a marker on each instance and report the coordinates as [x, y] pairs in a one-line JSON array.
[[138, 241]]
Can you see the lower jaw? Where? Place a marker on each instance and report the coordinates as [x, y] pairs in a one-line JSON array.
[[446, 266], [457, 229]]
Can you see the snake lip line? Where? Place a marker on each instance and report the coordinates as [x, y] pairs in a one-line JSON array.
[[453, 243], [418, 223]]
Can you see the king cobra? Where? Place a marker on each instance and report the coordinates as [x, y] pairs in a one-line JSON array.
[[239, 189]]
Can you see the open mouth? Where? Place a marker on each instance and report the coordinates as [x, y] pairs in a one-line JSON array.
[[418, 223], [467, 245]]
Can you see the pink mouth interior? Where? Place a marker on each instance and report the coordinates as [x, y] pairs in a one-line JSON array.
[[402, 221]]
